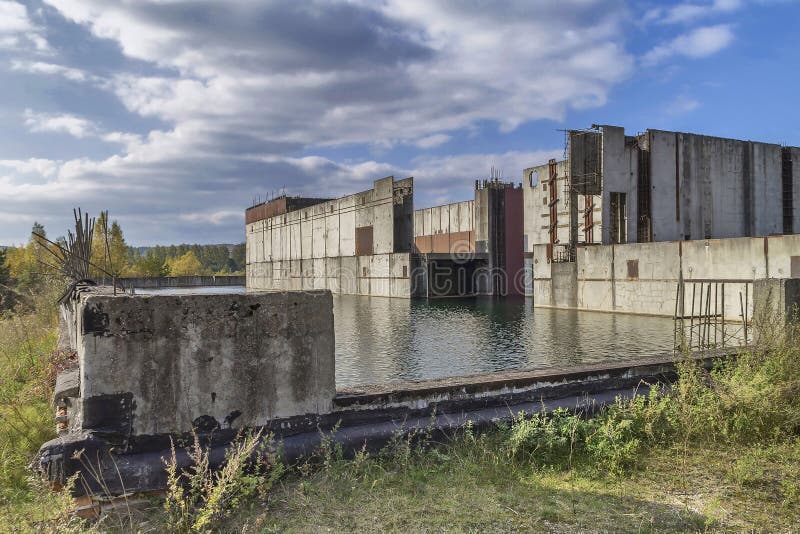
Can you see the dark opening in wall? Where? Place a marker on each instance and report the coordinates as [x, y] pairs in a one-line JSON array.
[[364, 241], [644, 228], [619, 218], [633, 268], [788, 203]]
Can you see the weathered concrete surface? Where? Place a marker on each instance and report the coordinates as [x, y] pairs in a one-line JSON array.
[[359, 244], [643, 277], [461, 393], [153, 364], [690, 187]]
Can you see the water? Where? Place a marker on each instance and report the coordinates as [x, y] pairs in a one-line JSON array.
[[383, 340], [204, 290]]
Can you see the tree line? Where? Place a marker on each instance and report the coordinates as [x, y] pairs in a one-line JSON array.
[[22, 266]]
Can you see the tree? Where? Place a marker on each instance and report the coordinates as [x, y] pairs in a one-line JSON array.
[[238, 257], [23, 264], [151, 264], [186, 265]]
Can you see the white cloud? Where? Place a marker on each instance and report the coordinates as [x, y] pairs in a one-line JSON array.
[[691, 11], [59, 123], [13, 18], [431, 141], [39, 67], [17, 32], [38, 166], [215, 218], [697, 43], [362, 73], [78, 127]]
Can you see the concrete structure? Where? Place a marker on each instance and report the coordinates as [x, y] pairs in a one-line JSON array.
[[445, 229], [472, 247], [153, 364], [374, 244], [359, 244], [661, 186], [549, 237], [624, 219]]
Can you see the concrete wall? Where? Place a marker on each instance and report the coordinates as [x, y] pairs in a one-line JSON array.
[[379, 275], [643, 277], [795, 156], [620, 173], [445, 229], [157, 364], [725, 187], [347, 245], [699, 187]]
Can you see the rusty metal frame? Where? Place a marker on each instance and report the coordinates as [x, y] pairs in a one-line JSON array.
[[588, 219], [553, 204]]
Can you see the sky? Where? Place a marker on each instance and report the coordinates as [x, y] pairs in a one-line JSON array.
[[176, 115]]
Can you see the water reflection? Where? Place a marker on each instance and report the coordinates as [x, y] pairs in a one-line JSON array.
[[380, 340]]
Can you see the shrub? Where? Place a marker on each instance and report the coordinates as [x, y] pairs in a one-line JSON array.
[[199, 497]]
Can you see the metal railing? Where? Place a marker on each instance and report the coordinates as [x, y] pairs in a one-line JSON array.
[[711, 314]]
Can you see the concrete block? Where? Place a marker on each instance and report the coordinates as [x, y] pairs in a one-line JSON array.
[[153, 364]]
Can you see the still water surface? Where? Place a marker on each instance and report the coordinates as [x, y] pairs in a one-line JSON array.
[[382, 340]]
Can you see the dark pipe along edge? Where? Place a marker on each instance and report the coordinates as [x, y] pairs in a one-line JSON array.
[[109, 463], [105, 473]]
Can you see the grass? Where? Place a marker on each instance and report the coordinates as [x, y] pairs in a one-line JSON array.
[[29, 363], [469, 487], [717, 451]]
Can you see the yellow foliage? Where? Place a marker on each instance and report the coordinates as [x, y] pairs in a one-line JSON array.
[[186, 265]]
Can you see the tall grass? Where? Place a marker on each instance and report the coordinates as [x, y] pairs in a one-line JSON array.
[[27, 350], [27, 359], [752, 398]]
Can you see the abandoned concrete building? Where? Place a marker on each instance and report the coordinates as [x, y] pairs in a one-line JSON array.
[[615, 226]]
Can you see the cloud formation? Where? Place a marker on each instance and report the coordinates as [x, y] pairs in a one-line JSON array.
[[193, 108], [17, 30], [242, 88], [59, 123], [687, 12], [697, 43]]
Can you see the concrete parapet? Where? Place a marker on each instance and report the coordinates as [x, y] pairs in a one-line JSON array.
[[154, 364]]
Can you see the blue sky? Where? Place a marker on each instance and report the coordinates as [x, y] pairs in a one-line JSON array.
[[175, 115]]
